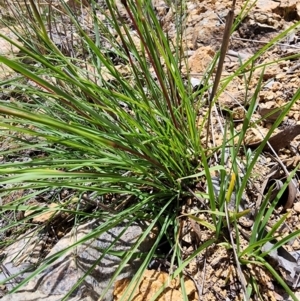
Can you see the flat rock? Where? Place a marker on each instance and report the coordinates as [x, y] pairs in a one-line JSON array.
[[266, 5], [69, 268]]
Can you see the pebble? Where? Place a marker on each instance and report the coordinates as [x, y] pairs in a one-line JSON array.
[[297, 207]]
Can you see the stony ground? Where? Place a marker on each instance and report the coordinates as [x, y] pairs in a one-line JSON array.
[[212, 275]]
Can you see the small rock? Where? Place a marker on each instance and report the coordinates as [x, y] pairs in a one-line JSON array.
[[6, 48], [266, 5], [297, 294], [297, 207], [151, 282], [261, 18], [201, 59]]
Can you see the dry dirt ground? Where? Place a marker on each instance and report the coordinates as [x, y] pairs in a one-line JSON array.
[[205, 25], [215, 271], [213, 274]]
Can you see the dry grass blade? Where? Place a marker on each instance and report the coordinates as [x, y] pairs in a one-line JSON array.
[[224, 47], [238, 265]]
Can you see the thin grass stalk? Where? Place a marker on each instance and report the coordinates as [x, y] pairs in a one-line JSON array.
[[154, 63], [223, 50]]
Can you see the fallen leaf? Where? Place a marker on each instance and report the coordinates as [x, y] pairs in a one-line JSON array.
[[281, 139], [286, 260], [47, 215], [270, 114], [292, 191], [288, 197]]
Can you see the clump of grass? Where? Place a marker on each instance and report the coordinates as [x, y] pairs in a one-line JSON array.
[[112, 115]]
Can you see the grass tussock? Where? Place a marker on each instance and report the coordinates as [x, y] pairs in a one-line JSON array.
[[112, 119]]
